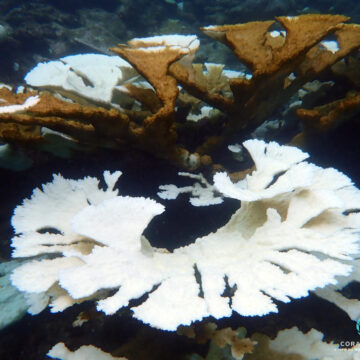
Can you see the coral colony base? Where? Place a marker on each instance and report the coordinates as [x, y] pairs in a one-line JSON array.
[[296, 230]]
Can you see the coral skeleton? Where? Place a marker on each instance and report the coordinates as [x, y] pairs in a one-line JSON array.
[[91, 76], [203, 193], [85, 352], [296, 230], [333, 293], [292, 344]]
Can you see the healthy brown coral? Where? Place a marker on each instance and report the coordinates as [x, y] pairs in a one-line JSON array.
[[326, 117], [159, 126], [272, 60], [280, 62], [349, 68], [94, 126]]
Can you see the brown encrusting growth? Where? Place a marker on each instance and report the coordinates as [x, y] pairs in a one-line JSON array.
[[281, 63]]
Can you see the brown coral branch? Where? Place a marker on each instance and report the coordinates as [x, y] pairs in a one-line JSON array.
[[201, 92], [246, 41], [330, 116], [326, 117], [145, 96], [281, 65], [25, 135], [157, 131], [271, 60], [349, 68], [153, 65], [317, 59], [89, 125]]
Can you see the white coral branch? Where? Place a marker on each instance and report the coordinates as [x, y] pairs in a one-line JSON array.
[[30, 102], [203, 193], [297, 230]]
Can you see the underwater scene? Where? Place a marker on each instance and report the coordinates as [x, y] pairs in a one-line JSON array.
[[180, 180]]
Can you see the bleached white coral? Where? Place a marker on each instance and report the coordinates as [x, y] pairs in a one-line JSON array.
[[293, 344], [205, 111], [85, 352], [293, 233], [43, 221], [29, 102], [91, 76], [270, 160], [332, 293], [203, 193], [43, 225], [188, 42]]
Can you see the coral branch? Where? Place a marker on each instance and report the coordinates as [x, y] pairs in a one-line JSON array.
[[282, 62]]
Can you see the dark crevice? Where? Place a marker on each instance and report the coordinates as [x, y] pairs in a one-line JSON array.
[[351, 211], [198, 280], [268, 295], [229, 291], [283, 269], [284, 250], [84, 78], [297, 249], [275, 178], [49, 230], [143, 298]]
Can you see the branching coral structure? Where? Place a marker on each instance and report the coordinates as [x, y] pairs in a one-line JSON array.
[[297, 230], [96, 109]]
